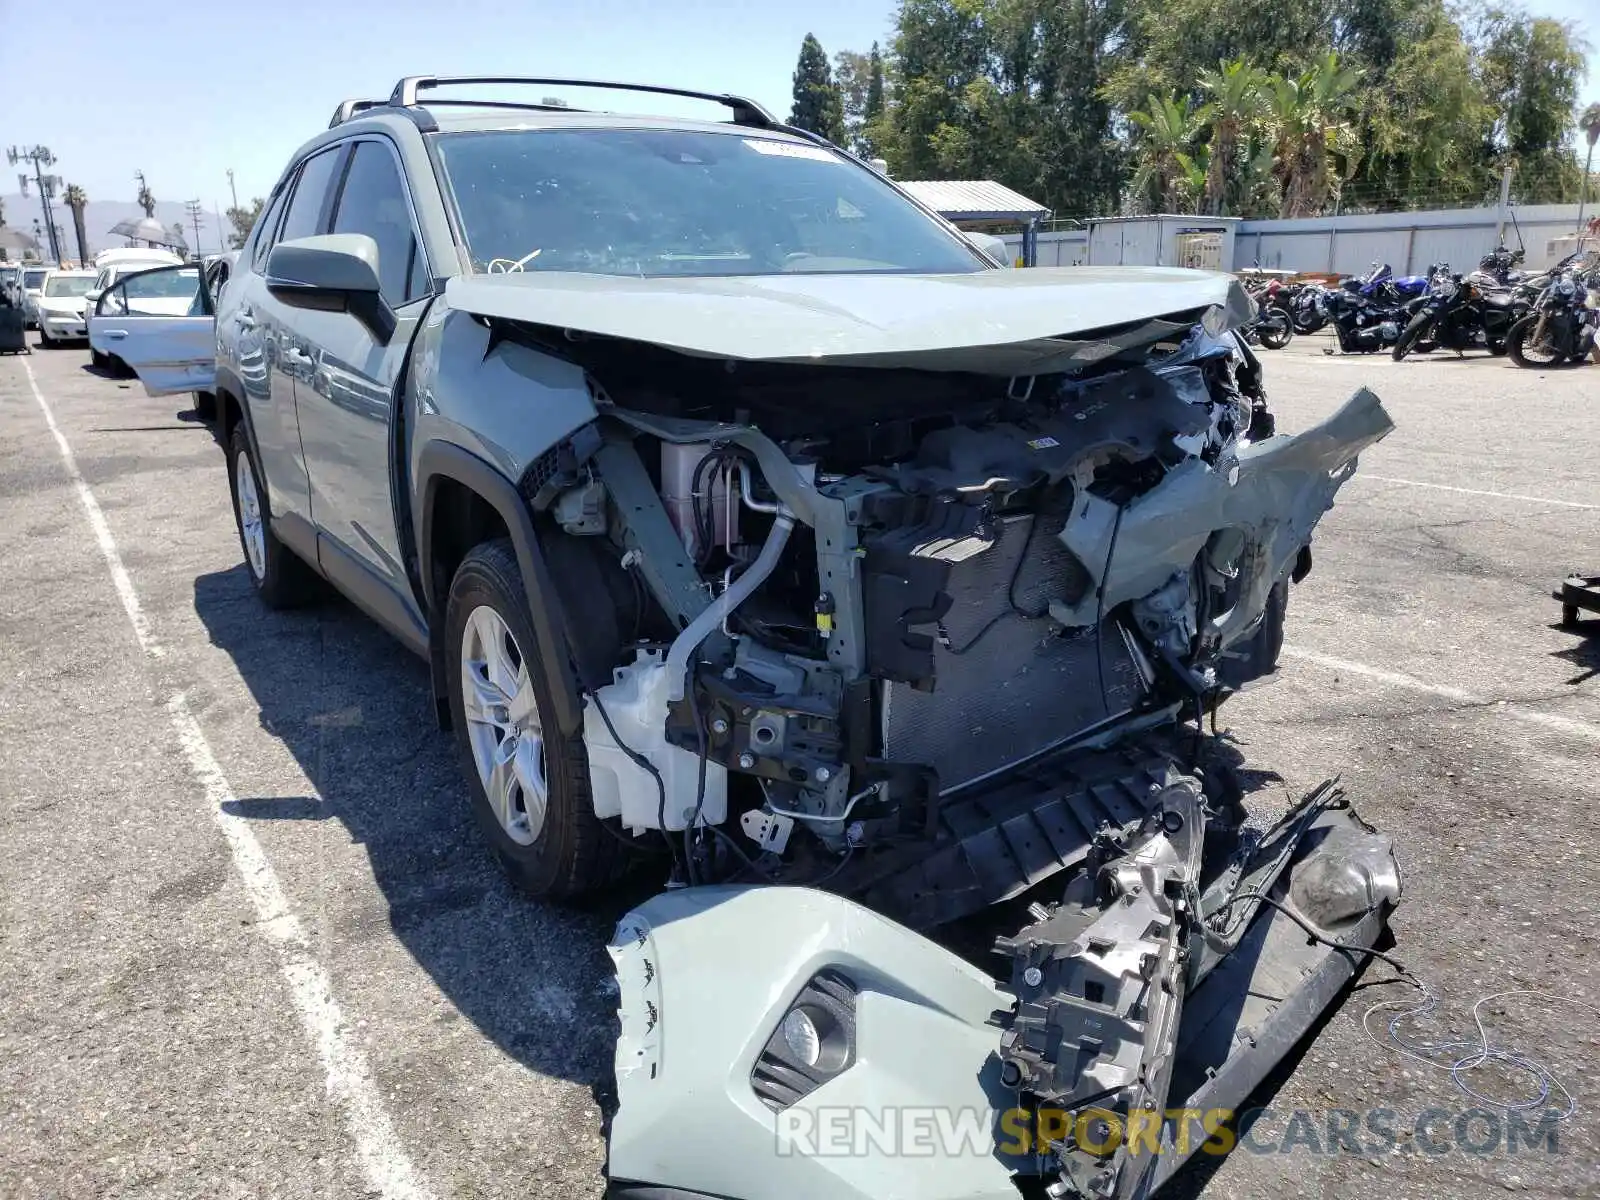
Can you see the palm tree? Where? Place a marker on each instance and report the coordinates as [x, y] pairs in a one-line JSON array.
[[1166, 168], [1590, 124], [1235, 91], [1308, 117], [75, 199]]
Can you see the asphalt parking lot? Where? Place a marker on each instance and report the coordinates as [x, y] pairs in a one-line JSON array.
[[251, 944]]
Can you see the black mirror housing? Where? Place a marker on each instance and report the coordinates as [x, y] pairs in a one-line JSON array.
[[336, 272]]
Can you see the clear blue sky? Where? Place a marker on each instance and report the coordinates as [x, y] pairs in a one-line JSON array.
[[184, 90]]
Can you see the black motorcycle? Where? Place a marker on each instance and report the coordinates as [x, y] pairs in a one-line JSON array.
[[1563, 324], [1304, 302], [1361, 324], [1457, 314]]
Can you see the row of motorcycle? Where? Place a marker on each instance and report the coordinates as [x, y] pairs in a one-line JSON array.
[[1540, 319]]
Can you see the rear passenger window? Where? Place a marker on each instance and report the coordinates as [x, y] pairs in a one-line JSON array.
[[305, 209], [373, 202]]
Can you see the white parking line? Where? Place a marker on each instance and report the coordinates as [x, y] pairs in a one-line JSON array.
[[384, 1162], [1445, 487], [1519, 712]]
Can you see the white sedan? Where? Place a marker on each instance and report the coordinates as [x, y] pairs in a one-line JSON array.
[[60, 307]]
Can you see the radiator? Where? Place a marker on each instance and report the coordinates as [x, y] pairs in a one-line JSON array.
[[1021, 688]]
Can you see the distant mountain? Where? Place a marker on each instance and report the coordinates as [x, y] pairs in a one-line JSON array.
[[98, 218]]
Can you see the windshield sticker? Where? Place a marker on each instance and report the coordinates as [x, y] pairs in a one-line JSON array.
[[789, 150]]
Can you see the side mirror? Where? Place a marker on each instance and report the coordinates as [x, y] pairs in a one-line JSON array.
[[991, 247], [337, 272]]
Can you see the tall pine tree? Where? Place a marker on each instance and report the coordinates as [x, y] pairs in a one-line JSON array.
[[817, 104], [872, 113]]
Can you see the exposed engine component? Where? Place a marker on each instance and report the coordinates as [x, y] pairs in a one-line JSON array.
[[922, 637]]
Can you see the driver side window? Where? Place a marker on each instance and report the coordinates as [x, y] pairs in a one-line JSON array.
[[113, 302]]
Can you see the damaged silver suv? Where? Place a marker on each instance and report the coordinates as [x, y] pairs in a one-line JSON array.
[[758, 529]]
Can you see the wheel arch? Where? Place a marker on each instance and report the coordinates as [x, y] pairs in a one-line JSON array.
[[461, 501]]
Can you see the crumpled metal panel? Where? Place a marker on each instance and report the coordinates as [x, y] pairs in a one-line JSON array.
[[1273, 491]]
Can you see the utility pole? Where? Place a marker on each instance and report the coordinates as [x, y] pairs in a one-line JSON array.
[[232, 191], [196, 215], [41, 158]]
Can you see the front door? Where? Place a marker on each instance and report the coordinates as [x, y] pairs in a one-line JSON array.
[[161, 324], [346, 398]]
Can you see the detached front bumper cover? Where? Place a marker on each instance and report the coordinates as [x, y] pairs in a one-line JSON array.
[[708, 975]]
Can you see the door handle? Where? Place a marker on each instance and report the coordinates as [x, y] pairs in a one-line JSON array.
[[116, 333]]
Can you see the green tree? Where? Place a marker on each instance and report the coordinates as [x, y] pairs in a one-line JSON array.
[[1589, 125], [1308, 116], [850, 74], [1165, 178], [1234, 106], [243, 221], [817, 104], [872, 110], [1530, 70], [1170, 42], [1009, 90]]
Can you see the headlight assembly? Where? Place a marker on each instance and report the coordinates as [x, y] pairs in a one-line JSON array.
[[814, 1042]]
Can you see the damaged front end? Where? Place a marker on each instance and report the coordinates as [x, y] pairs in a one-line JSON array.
[[915, 633], [789, 1043]]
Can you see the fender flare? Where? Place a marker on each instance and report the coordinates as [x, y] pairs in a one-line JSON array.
[[227, 381], [443, 460]]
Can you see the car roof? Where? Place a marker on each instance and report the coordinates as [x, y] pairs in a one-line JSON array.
[[89, 271], [450, 118]]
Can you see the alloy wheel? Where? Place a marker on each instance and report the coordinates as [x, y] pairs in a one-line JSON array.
[[503, 729], [253, 534]]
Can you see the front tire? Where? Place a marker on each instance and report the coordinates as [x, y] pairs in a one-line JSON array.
[[529, 782], [281, 578], [1519, 347], [1412, 335]]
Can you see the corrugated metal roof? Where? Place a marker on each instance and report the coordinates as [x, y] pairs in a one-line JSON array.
[[973, 199]]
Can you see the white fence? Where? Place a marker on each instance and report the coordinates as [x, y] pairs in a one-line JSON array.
[[1348, 245], [1409, 242]]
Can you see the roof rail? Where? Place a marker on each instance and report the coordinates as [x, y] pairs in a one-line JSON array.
[[745, 111], [349, 108]]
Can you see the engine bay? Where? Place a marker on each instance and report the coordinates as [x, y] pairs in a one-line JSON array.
[[942, 643]]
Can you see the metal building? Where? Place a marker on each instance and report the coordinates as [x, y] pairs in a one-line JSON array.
[[984, 206]]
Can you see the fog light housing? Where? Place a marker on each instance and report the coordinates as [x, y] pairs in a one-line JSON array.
[[814, 1042]]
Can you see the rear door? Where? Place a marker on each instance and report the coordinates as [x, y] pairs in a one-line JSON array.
[[162, 325]]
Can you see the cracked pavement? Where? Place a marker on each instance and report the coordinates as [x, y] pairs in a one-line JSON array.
[[147, 1042]]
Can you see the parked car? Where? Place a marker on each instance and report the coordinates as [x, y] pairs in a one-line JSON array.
[[112, 265], [32, 281], [748, 516], [60, 307]]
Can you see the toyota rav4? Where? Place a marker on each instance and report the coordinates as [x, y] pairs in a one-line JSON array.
[[752, 523]]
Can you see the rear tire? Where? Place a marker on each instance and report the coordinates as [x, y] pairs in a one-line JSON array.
[[99, 361], [540, 819], [1276, 332], [281, 577]]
